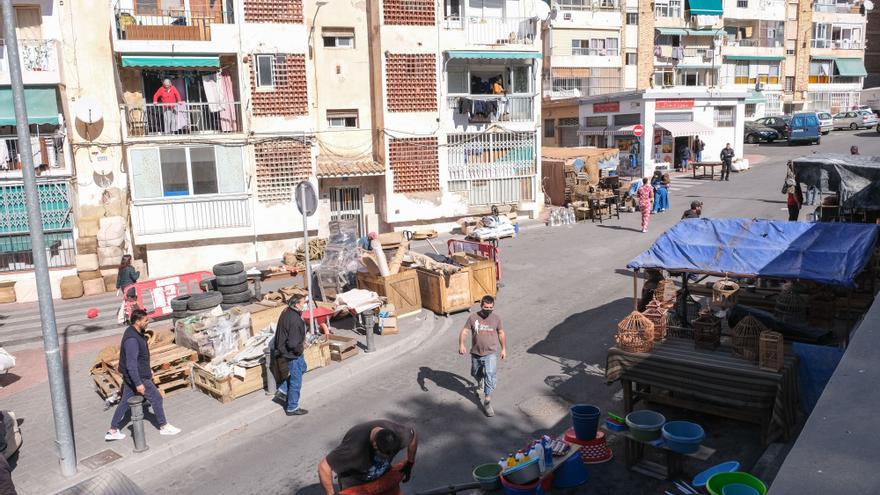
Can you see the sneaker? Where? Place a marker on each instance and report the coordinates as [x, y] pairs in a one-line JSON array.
[[487, 406], [297, 412], [644, 231], [169, 430], [280, 398], [113, 435]]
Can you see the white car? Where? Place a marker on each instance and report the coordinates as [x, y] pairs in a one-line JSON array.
[[855, 120], [826, 122]]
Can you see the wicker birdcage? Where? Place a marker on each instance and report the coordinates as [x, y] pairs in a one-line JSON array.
[[725, 293], [790, 306], [707, 331], [659, 316], [771, 350], [745, 338], [666, 291], [635, 333]]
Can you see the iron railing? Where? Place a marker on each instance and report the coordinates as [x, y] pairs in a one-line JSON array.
[[599, 52], [838, 44], [36, 55], [833, 8], [493, 168], [496, 30], [588, 5], [582, 86], [193, 213], [154, 119], [55, 211], [509, 108], [168, 25]]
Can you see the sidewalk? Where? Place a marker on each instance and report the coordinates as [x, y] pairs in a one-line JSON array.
[[202, 418]]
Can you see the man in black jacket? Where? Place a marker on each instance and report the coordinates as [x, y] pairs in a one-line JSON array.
[[6, 486], [727, 155], [137, 377], [290, 341]]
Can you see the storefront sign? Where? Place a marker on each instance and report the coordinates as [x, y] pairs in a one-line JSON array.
[[674, 104], [608, 107]]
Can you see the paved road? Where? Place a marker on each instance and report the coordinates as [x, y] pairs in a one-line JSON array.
[[565, 291]]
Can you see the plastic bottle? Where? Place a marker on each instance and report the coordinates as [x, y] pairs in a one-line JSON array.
[[503, 463], [519, 457], [548, 451], [537, 453], [511, 461]]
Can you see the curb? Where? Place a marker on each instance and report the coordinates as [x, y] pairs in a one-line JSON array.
[[135, 464]]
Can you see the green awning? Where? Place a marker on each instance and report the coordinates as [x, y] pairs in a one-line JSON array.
[[42, 106], [769, 58], [487, 55], [701, 32], [169, 61], [672, 31], [851, 67], [756, 97], [822, 57], [705, 7]]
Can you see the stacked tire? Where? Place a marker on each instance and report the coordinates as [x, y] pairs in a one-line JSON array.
[[231, 281], [194, 304]]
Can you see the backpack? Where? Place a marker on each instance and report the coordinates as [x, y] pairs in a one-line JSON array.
[[702, 145]]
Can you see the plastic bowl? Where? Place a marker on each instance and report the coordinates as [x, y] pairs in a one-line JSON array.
[[645, 425], [523, 474], [700, 480], [738, 489], [683, 437], [717, 482], [488, 475]]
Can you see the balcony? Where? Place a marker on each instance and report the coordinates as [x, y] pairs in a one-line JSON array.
[[574, 87], [842, 44], [594, 52], [158, 119], [180, 215], [487, 109], [588, 5], [168, 25], [39, 61], [836, 8], [495, 30]]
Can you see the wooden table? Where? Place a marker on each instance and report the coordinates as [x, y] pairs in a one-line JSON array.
[[710, 165], [599, 203], [712, 382]]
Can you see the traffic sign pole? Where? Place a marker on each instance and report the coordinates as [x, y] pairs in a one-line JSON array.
[[306, 201], [639, 131]]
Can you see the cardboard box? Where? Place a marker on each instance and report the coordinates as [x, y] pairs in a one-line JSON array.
[[263, 316], [93, 287]]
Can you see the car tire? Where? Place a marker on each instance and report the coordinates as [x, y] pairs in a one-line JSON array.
[[180, 303], [241, 297], [853, 127], [204, 300], [818, 141], [233, 289], [179, 315], [228, 268], [230, 280], [751, 139]]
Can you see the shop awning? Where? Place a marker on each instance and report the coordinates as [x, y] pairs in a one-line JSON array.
[[701, 32], [705, 7], [169, 61], [769, 58], [620, 130], [672, 31], [822, 57], [591, 131], [42, 106], [685, 128], [851, 67], [493, 55], [756, 97]]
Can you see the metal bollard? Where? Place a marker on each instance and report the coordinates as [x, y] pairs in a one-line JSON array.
[[370, 329], [136, 404], [271, 386]]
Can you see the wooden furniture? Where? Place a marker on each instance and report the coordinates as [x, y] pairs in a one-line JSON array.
[[673, 466], [710, 165], [401, 289]]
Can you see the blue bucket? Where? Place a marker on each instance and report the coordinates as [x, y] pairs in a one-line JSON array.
[[571, 473], [585, 419], [683, 437]]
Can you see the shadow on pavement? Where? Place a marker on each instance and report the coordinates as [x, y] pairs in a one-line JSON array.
[[449, 381], [619, 227]]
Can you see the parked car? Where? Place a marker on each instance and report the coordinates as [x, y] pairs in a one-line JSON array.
[[826, 121], [805, 127], [855, 119], [780, 124], [756, 133]]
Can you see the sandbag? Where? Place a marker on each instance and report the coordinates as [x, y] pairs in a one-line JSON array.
[[91, 211], [87, 245], [109, 252], [110, 262], [86, 262], [110, 282], [7, 293], [92, 275], [115, 242], [116, 209], [116, 223], [88, 227], [71, 287], [93, 287]]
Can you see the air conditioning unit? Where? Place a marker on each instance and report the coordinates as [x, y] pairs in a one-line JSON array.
[[566, 16]]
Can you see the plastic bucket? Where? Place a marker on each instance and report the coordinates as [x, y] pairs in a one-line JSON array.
[[539, 487], [683, 437], [644, 425], [572, 473], [585, 420], [488, 476]]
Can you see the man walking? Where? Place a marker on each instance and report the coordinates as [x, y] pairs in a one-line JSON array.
[[362, 462], [486, 333], [137, 377], [290, 340], [727, 155], [684, 156]]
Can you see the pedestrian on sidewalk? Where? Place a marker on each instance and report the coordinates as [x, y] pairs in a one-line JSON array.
[[684, 157], [661, 192], [363, 460], [6, 485], [137, 377], [289, 345], [795, 199], [646, 199], [695, 211], [486, 333], [853, 150], [699, 146], [727, 155], [126, 275]]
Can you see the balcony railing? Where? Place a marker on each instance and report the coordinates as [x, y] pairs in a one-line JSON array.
[[598, 52], [757, 42], [193, 213], [168, 25], [588, 5], [494, 108], [838, 44], [835, 8], [496, 30], [581, 86], [156, 119], [36, 55]]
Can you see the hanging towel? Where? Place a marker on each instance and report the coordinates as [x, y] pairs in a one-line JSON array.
[[658, 51], [666, 51], [182, 120], [677, 53], [212, 92], [4, 155], [228, 117]]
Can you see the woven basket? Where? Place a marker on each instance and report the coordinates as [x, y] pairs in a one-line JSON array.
[[725, 293], [666, 291], [707, 331], [635, 333], [771, 348], [790, 307], [659, 316], [745, 338]]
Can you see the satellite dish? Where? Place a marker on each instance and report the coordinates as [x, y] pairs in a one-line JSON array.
[[869, 5], [88, 111]]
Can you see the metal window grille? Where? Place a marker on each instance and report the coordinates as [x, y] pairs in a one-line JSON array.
[[493, 167], [280, 166], [289, 94], [409, 12], [276, 11], [411, 81], [415, 164], [600, 82], [724, 116], [773, 105], [832, 101], [15, 241]]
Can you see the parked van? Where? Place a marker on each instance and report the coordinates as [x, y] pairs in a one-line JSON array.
[[805, 127]]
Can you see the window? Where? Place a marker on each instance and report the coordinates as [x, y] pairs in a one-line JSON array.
[[664, 78], [627, 119], [667, 8], [632, 18], [611, 45], [631, 58], [742, 4], [157, 7], [452, 9], [520, 79], [789, 83], [580, 47], [188, 171], [741, 72], [265, 74], [820, 71], [457, 79], [342, 118], [596, 121], [338, 38], [674, 117], [750, 110], [549, 129], [724, 116]]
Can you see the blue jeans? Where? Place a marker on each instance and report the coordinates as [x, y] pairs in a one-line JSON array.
[[292, 386], [684, 163], [485, 367], [699, 156], [661, 199], [151, 394], [812, 192]]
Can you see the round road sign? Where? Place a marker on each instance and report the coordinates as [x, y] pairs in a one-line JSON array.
[[638, 130]]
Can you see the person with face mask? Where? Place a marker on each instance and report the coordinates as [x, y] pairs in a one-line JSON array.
[[137, 377], [486, 333], [290, 341]]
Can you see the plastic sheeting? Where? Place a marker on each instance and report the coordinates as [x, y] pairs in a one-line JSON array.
[[855, 178], [817, 364], [764, 248]]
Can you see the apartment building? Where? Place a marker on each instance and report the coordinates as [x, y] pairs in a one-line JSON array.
[[872, 50]]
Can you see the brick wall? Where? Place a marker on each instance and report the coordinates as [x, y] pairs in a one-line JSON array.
[[411, 82], [415, 164], [408, 12], [280, 166], [645, 45], [289, 95], [802, 49], [278, 11]]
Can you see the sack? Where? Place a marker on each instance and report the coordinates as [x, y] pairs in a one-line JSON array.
[[702, 146]]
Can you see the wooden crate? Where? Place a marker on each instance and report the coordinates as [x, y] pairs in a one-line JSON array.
[[317, 355], [231, 387], [483, 279], [338, 343], [342, 356], [401, 289], [263, 316], [444, 294]]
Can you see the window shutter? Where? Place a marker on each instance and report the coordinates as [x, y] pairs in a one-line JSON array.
[[146, 173], [230, 172]]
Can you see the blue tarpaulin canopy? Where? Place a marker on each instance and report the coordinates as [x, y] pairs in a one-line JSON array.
[[829, 253]]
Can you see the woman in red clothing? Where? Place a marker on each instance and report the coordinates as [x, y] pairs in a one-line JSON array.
[[646, 200], [795, 199], [169, 97]]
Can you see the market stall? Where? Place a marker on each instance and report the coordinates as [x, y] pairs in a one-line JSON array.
[[854, 178], [568, 172]]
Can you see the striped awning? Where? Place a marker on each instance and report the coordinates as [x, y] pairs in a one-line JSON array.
[[685, 128], [164, 61], [591, 131], [620, 130]]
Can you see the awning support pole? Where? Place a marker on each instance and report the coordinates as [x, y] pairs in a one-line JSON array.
[[636, 290]]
